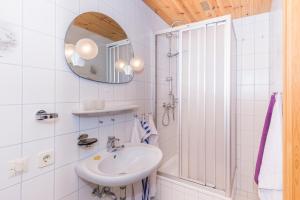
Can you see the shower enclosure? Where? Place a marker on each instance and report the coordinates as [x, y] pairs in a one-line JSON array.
[[196, 102]]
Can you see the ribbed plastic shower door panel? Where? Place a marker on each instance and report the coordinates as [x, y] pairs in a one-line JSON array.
[[184, 106], [193, 105], [210, 111], [220, 107], [202, 105]]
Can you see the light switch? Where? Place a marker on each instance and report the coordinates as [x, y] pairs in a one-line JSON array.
[[17, 166], [46, 158]]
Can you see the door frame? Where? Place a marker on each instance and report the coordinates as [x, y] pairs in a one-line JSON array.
[[291, 100]]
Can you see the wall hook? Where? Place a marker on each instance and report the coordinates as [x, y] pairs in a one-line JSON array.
[[42, 115]]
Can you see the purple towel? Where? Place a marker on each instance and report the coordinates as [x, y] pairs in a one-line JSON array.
[[264, 137]]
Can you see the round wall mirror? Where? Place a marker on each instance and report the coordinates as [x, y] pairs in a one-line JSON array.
[[97, 48]]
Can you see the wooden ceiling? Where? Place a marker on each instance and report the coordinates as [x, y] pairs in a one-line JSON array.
[[100, 24], [187, 11]]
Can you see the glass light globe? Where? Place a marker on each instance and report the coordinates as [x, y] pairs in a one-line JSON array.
[[120, 65], [86, 48], [137, 64], [69, 51]]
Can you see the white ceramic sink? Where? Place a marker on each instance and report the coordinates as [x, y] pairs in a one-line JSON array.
[[120, 168]]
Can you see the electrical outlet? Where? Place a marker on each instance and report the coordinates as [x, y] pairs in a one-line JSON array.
[[46, 158]]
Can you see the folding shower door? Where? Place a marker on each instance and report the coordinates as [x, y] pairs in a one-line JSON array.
[[204, 103]]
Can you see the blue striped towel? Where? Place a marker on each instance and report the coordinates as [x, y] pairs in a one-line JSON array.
[[145, 139]]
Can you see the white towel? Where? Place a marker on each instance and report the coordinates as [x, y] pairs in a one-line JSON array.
[[137, 132], [270, 177]]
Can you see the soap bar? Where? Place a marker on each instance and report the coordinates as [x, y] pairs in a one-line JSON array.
[[98, 157]]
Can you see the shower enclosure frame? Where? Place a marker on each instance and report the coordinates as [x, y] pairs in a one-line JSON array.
[[229, 177]]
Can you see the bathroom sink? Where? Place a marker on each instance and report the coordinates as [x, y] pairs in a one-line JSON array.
[[123, 167]]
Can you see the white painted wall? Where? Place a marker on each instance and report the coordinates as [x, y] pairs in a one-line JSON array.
[[34, 76]]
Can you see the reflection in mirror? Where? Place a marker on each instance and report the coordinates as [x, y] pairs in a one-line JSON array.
[[97, 48]]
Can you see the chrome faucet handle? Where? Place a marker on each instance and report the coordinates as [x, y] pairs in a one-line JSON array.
[[111, 144], [112, 139]]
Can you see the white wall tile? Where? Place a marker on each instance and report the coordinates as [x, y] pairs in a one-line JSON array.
[[253, 97], [37, 129], [106, 92], [11, 11], [66, 122], [72, 5], [88, 5], [11, 193], [262, 92], [88, 90], [89, 123], [60, 60], [40, 50], [247, 92], [40, 187], [63, 19], [248, 77], [73, 196], [261, 76], [7, 154], [66, 181], [38, 86], [262, 44], [10, 84], [261, 61], [67, 87], [66, 149], [248, 47], [276, 46], [11, 124], [85, 193], [39, 15], [247, 61], [12, 53]]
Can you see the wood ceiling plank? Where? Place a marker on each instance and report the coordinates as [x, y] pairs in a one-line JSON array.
[[216, 8], [234, 7], [211, 12], [156, 7], [182, 8], [192, 10], [244, 7], [193, 6], [237, 6], [176, 11], [101, 25]]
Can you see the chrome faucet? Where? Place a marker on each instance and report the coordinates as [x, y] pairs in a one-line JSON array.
[[111, 145]]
